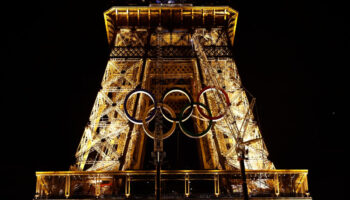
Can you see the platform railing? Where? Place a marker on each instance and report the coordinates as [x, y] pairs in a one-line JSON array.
[[175, 183]]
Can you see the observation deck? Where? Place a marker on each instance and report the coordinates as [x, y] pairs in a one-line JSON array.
[[176, 16]]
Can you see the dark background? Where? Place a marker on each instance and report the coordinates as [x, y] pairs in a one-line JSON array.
[[289, 55]]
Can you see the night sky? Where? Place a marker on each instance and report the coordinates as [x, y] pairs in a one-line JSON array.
[[288, 53]]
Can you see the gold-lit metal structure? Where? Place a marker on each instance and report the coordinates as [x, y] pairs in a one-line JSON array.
[[130, 29], [286, 184], [157, 48]]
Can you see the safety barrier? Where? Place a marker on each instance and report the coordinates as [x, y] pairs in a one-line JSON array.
[[175, 183]]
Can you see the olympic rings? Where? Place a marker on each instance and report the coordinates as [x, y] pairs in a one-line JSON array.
[[206, 89], [189, 133], [174, 118], [182, 91], [152, 107], [137, 91]]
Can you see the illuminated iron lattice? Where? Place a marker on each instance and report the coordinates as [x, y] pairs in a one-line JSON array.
[[192, 59], [153, 50]]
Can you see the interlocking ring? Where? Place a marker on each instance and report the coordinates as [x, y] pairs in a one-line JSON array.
[[180, 118], [189, 133], [132, 93], [209, 88], [144, 123], [182, 91]]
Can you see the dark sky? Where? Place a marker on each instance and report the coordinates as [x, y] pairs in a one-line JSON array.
[[289, 55]]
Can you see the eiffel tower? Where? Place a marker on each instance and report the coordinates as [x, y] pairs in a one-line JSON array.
[[172, 107]]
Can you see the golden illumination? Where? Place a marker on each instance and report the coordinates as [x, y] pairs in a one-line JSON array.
[[273, 182], [220, 16], [154, 49]]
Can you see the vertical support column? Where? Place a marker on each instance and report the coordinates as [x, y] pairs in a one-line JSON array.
[[38, 187], [67, 187], [214, 17], [244, 178], [306, 187], [225, 15], [216, 185], [302, 186], [187, 185], [292, 183], [277, 185], [192, 15], [158, 139], [127, 17], [182, 17], [97, 186], [138, 17], [149, 17], [127, 186], [158, 179], [42, 186], [203, 21]]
